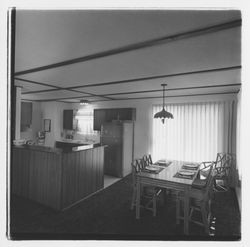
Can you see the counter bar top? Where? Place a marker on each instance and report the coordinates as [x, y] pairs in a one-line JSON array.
[[59, 150]]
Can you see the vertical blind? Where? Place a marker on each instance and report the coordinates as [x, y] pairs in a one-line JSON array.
[[197, 132]]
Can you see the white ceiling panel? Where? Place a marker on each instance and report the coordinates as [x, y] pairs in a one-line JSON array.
[[216, 50], [52, 95], [70, 100], [89, 98], [233, 89], [27, 86], [47, 37], [194, 80]]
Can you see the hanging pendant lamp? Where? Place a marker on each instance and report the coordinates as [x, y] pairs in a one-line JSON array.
[[163, 113]]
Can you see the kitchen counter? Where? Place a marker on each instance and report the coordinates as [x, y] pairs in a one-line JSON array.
[[57, 177], [81, 147]]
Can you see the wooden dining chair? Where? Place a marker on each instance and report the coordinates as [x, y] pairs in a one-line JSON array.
[[147, 159], [204, 171], [149, 194], [224, 167], [200, 200]]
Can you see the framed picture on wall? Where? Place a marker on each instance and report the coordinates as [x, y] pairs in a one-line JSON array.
[[47, 125]]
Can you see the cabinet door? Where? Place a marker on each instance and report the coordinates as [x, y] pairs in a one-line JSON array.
[[111, 114], [113, 160], [68, 119], [127, 114], [99, 118], [102, 116]]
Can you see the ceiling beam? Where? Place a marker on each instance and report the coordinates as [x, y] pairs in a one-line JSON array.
[[145, 91], [56, 88], [125, 81], [159, 97], [172, 96], [137, 46], [138, 98], [159, 77], [175, 89]]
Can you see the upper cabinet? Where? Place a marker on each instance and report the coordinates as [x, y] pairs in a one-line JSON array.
[[108, 115], [99, 118], [69, 121], [26, 115]]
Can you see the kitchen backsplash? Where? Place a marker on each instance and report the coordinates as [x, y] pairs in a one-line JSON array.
[[70, 134]]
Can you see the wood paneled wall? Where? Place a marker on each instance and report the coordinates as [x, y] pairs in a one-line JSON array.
[[82, 174], [56, 179], [20, 172], [45, 178]]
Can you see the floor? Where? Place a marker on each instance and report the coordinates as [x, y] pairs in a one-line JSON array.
[[109, 180], [106, 215]]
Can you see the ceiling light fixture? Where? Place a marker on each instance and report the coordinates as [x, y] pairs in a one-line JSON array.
[[84, 102], [163, 113]]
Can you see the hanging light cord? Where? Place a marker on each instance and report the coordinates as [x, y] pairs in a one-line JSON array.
[[164, 85]]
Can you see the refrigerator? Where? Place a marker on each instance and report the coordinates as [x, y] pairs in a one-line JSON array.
[[118, 155]]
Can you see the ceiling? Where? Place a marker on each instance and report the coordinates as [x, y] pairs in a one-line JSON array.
[[100, 55]]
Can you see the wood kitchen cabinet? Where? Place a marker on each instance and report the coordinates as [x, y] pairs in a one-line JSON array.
[[69, 122], [113, 160], [102, 116], [99, 118]]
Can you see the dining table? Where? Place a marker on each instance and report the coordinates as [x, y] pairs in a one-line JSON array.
[[169, 176]]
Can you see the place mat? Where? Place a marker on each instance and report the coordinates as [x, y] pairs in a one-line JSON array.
[[193, 167], [164, 163], [152, 169], [184, 174]]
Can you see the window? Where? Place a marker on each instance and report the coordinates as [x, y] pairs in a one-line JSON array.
[[197, 132], [85, 118]]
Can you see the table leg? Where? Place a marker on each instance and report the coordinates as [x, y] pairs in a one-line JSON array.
[[186, 212], [138, 199]]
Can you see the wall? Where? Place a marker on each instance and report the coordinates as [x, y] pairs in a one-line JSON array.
[[54, 112], [36, 126], [143, 124]]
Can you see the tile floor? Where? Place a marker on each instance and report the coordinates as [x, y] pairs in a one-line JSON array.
[[109, 180]]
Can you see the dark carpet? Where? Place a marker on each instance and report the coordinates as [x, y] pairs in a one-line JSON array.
[[107, 216]]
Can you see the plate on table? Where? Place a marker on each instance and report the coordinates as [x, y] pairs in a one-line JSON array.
[[191, 165], [163, 162], [186, 173], [151, 168]]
